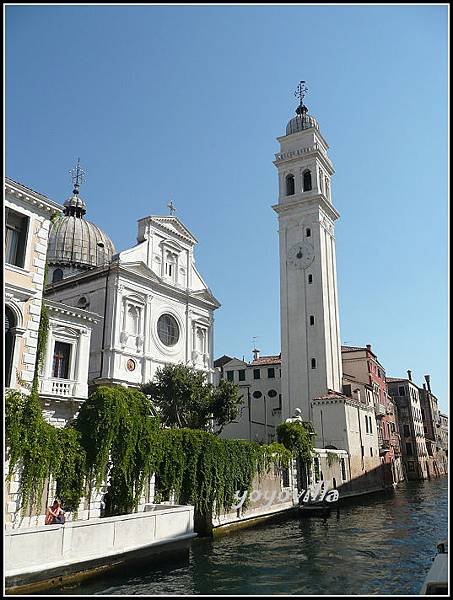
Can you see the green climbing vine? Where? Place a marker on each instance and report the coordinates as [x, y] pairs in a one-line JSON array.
[[43, 334], [39, 451], [116, 438]]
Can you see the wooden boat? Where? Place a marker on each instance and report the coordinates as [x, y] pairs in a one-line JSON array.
[[316, 509], [436, 581]]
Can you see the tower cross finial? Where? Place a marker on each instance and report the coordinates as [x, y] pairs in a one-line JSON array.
[[78, 177], [300, 92], [171, 207]]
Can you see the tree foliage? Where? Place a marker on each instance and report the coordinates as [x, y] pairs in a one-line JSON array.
[[295, 436], [184, 399]]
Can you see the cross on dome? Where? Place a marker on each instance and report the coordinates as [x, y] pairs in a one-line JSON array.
[[77, 176], [171, 207], [300, 92]]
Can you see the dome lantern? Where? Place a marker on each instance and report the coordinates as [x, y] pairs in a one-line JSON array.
[[302, 120], [76, 244]]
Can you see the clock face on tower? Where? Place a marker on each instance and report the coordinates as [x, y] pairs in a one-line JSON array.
[[301, 255]]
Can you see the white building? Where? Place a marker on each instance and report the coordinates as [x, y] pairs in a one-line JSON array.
[[259, 383], [63, 378], [157, 308], [27, 223], [63, 381]]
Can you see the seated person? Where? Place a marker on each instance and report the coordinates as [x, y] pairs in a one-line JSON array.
[[55, 514]]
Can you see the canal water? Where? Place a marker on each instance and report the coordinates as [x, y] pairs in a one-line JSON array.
[[380, 544]]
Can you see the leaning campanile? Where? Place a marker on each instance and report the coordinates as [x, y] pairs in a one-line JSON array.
[[310, 333]]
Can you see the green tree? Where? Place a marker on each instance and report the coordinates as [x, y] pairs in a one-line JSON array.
[[183, 398], [297, 438]]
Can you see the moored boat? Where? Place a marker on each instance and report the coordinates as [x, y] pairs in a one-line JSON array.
[[436, 581], [314, 509]]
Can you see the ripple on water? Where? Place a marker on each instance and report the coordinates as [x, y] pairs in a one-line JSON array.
[[378, 546]]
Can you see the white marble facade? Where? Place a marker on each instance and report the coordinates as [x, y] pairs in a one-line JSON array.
[[157, 307]]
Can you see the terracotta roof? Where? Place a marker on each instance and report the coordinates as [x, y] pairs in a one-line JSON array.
[[267, 360], [351, 348], [332, 394], [222, 360]]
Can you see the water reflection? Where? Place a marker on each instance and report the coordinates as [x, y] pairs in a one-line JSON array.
[[375, 545]]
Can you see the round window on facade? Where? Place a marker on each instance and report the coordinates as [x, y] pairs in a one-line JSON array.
[[168, 330], [271, 393], [257, 394]]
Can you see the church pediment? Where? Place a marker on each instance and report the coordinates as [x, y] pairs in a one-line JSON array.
[[139, 268], [173, 225], [205, 295]]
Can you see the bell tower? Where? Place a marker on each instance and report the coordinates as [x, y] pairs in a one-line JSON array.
[[310, 335]]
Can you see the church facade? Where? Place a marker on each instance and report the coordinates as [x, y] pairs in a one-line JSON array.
[[157, 308]]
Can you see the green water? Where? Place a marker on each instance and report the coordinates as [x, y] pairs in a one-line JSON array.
[[382, 544]]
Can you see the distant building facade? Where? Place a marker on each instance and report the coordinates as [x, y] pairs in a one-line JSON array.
[[438, 462], [360, 364], [413, 444], [444, 436], [259, 382]]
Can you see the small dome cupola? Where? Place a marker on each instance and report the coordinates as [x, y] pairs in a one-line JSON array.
[[74, 243], [75, 206], [302, 120]]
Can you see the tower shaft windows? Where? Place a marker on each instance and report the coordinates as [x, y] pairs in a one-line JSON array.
[[290, 186], [307, 181]]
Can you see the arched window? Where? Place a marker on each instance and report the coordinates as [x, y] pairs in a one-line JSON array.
[[307, 180], [57, 275], [313, 363], [10, 323], [132, 321], [290, 185], [200, 340], [310, 278], [308, 232]]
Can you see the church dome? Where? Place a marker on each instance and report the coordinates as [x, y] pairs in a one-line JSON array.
[[301, 121], [73, 241]]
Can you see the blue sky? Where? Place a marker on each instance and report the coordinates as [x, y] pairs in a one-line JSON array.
[[186, 102]]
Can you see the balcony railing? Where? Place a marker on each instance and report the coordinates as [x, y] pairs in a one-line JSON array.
[[57, 387]]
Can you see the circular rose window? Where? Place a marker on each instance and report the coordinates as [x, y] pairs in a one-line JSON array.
[[168, 330]]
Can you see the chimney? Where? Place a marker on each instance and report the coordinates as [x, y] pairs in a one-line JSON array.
[[409, 374], [256, 354], [424, 386], [428, 379], [368, 347]]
